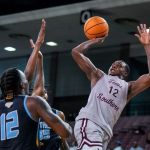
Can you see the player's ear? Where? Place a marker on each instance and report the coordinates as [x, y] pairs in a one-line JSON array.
[[22, 85], [125, 74]]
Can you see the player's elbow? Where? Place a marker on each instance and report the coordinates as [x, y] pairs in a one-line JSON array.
[[74, 51], [67, 132], [75, 54], [61, 127]]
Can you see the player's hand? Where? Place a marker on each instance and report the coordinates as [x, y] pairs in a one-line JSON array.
[[41, 35], [143, 34], [98, 40]]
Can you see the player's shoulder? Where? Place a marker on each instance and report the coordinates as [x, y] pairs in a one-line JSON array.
[[99, 74], [35, 100], [37, 104]]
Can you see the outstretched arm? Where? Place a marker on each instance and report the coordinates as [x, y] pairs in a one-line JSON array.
[[39, 80], [38, 89], [39, 108], [143, 82], [144, 38], [84, 63], [31, 64], [39, 83], [138, 86]]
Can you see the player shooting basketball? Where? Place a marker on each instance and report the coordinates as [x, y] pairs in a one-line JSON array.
[[109, 94]]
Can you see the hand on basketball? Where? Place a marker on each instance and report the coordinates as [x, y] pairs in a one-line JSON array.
[[98, 40], [41, 35], [143, 34]]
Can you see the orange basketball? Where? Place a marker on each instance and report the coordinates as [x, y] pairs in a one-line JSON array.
[[96, 27]]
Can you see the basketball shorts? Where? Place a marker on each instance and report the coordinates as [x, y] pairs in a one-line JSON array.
[[90, 136]]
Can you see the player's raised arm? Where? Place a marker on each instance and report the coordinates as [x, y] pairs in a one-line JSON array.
[[143, 82], [139, 85], [39, 108], [144, 38], [30, 67], [39, 83], [83, 62]]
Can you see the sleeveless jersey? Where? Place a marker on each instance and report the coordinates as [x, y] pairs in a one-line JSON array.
[[17, 129], [106, 102], [47, 137]]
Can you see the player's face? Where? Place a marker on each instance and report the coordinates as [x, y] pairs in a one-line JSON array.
[[117, 68]]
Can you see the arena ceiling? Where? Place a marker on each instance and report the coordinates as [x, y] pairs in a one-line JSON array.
[[16, 6], [21, 19]]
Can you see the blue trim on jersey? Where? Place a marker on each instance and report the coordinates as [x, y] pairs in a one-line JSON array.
[[26, 108]]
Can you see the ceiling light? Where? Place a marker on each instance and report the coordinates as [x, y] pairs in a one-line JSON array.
[[10, 49], [51, 43]]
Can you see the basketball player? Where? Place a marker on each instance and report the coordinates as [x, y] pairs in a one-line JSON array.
[[19, 114], [109, 95], [48, 139]]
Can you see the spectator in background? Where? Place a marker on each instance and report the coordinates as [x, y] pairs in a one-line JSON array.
[[118, 147], [136, 146]]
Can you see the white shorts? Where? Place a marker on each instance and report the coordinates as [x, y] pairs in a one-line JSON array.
[[90, 136]]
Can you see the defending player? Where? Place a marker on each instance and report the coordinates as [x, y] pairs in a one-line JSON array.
[[47, 138]]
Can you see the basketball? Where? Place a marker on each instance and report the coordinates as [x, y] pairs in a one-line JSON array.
[[96, 27]]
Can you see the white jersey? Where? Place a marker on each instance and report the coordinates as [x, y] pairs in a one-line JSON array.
[[106, 102]]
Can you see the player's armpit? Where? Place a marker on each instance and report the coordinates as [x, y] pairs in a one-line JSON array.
[[139, 85]]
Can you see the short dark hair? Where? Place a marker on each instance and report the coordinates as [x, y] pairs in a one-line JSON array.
[[10, 83]]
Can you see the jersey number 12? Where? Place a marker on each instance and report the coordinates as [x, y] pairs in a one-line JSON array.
[[113, 91], [8, 124]]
